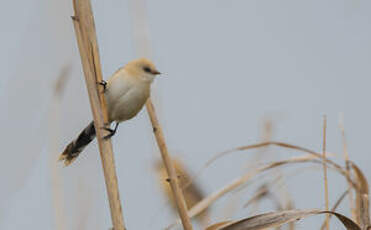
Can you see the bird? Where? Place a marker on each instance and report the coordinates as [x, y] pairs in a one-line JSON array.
[[126, 92]]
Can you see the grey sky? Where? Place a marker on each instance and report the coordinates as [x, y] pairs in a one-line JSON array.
[[226, 65]]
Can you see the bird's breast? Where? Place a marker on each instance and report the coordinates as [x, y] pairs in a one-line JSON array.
[[129, 104]]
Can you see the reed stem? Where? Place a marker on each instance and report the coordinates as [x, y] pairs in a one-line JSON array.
[[83, 21]]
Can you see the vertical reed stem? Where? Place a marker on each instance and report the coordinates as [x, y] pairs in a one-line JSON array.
[[347, 166], [325, 170], [173, 179], [54, 133], [141, 38], [83, 21]]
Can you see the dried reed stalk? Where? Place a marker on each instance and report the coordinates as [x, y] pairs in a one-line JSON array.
[[173, 180], [266, 135], [325, 171], [336, 205], [262, 192], [54, 133], [337, 167], [347, 166], [85, 201], [83, 21], [207, 201], [141, 39]]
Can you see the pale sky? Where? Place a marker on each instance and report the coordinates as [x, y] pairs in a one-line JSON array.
[[227, 65]]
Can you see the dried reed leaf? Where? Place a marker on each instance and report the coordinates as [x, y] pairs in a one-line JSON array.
[[219, 225], [207, 201], [266, 135], [331, 163], [362, 199], [241, 180], [261, 193], [275, 219], [336, 205], [274, 143]]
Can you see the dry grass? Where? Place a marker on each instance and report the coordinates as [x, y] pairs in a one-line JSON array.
[[362, 198], [347, 165], [171, 170], [360, 185], [329, 162], [236, 183], [276, 219], [54, 135], [325, 170], [336, 205]]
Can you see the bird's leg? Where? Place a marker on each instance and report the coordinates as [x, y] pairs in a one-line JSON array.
[[111, 131], [104, 84]]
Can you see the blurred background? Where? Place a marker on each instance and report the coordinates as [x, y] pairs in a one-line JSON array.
[[229, 68]]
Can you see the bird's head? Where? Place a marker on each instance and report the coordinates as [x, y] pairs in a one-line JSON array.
[[143, 69]]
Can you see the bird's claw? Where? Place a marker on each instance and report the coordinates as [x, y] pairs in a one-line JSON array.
[[111, 132], [104, 84], [108, 129]]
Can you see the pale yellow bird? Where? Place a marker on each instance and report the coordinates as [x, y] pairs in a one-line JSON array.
[[126, 91]]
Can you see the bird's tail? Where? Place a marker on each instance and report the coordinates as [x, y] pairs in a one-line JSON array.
[[73, 149]]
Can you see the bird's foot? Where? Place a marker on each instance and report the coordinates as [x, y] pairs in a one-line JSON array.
[[111, 131], [104, 84]]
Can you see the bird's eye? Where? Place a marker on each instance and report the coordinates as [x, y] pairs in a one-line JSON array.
[[147, 69]]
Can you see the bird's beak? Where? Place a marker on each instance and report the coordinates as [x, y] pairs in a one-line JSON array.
[[155, 72]]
